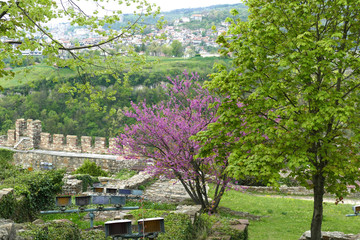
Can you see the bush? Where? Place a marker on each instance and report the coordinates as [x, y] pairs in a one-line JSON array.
[[94, 235], [87, 181], [33, 191], [6, 167], [6, 157], [92, 169], [53, 231], [249, 181], [177, 227]]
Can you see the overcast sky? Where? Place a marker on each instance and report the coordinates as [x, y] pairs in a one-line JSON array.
[[167, 5]]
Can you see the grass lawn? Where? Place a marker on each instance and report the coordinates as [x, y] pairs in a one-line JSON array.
[[24, 75], [168, 66], [288, 218]]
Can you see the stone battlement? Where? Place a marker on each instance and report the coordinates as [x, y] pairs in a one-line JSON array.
[[28, 135]]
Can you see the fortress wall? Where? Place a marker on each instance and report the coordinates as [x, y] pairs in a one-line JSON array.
[[109, 163], [11, 138], [32, 129]]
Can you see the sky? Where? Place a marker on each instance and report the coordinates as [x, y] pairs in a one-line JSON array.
[[167, 5]]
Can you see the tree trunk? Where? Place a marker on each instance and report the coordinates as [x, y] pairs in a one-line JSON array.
[[319, 183]]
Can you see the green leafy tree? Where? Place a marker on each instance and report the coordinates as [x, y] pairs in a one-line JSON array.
[[22, 22], [295, 81], [177, 49]]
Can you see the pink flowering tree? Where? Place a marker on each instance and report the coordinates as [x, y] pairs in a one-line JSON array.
[[163, 133]]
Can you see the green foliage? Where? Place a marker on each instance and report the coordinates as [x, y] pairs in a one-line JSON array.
[[177, 49], [73, 115], [177, 227], [33, 191], [29, 17], [294, 81], [76, 218], [6, 157], [91, 169], [94, 235], [125, 174], [87, 181], [8, 205], [202, 225], [7, 168], [53, 231]]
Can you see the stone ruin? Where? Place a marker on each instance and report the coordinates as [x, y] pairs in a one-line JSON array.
[[28, 135]]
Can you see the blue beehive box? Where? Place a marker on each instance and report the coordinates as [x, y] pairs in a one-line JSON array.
[[117, 200], [100, 200], [125, 191], [137, 192]]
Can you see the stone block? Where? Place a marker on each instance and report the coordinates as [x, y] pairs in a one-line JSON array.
[[72, 144], [86, 144], [45, 141], [100, 146], [58, 142], [11, 138]]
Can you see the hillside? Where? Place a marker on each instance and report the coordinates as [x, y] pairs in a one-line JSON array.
[[214, 14], [68, 113]]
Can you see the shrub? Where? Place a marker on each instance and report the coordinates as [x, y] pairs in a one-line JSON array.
[[94, 235], [87, 181], [92, 169], [33, 191], [6, 167], [6, 157], [177, 226], [249, 181], [53, 231]]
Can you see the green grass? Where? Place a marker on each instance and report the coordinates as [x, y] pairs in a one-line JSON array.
[[288, 218], [170, 66], [77, 218], [125, 174], [26, 75]]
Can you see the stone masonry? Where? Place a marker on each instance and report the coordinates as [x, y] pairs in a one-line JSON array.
[[72, 160], [28, 135]]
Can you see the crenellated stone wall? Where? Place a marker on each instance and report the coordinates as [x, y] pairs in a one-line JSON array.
[[31, 130], [72, 161]]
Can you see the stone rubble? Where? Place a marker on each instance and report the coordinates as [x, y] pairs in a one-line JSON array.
[[331, 236], [166, 191]]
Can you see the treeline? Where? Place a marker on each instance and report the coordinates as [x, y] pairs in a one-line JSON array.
[[73, 114], [213, 15]]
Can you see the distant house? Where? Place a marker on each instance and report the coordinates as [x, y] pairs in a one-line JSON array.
[[185, 19], [197, 17]]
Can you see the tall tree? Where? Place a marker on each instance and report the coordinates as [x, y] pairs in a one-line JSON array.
[[23, 26], [296, 73], [177, 49], [162, 133]]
